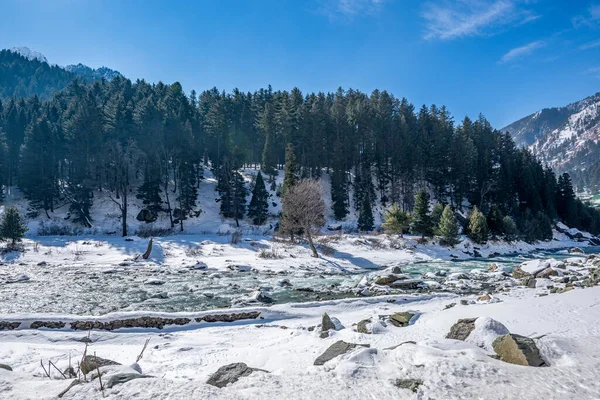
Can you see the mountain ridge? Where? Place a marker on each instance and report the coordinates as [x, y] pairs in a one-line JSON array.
[[565, 138]]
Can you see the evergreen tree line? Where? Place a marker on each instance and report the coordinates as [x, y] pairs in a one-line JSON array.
[[20, 77], [153, 141]]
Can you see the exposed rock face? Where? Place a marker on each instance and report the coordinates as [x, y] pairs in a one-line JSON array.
[[47, 324], [337, 349], [517, 349], [410, 384], [401, 319], [118, 379], [576, 250], [230, 374], [9, 326], [6, 367], [462, 329], [92, 363]]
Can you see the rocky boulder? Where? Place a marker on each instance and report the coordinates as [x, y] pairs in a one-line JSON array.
[[363, 326], [230, 374], [462, 329], [387, 280], [576, 250], [337, 349], [410, 384], [517, 349], [401, 319], [6, 367], [92, 363], [121, 378], [326, 323], [547, 273]]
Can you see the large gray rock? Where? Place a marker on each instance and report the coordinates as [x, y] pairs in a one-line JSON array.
[[92, 363], [518, 273], [327, 323], [401, 319], [230, 374], [388, 279], [6, 367], [576, 250], [410, 384], [461, 329], [337, 349], [517, 349], [118, 379], [363, 326]]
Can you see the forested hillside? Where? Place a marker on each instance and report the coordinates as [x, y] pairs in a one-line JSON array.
[[22, 77], [152, 141]]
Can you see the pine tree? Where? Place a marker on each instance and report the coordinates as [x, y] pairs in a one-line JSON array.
[[291, 169], [478, 229], [339, 184], [396, 221], [365, 216], [509, 228], [448, 227], [421, 220], [436, 216], [495, 220], [149, 192], [259, 207], [266, 123], [12, 227], [238, 198], [566, 202]]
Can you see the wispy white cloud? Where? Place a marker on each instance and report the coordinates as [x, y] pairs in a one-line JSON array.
[[590, 45], [348, 9], [462, 18], [593, 71], [590, 18], [522, 51]]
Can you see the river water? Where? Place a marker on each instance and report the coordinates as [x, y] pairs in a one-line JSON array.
[[79, 291]]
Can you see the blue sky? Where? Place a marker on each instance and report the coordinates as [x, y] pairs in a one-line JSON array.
[[502, 58]]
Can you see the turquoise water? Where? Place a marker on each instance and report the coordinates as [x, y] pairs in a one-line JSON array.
[[77, 291]]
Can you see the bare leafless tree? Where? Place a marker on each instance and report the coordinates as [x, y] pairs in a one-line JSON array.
[[304, 209]]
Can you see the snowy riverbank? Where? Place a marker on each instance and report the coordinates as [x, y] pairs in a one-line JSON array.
[[283, 344]]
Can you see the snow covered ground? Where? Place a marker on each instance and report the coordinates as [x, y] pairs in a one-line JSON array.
[[182, 360]]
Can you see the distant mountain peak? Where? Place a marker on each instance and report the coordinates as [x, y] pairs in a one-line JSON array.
[[29, 54], [88, 73], [565, 138]]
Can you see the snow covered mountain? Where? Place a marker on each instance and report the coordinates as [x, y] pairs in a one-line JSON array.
[[565, 138], [29, 54], [91, 74], [80, 70]]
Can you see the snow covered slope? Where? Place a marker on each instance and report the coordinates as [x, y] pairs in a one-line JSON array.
[[566, 138], [91, 74], [29, 54]]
